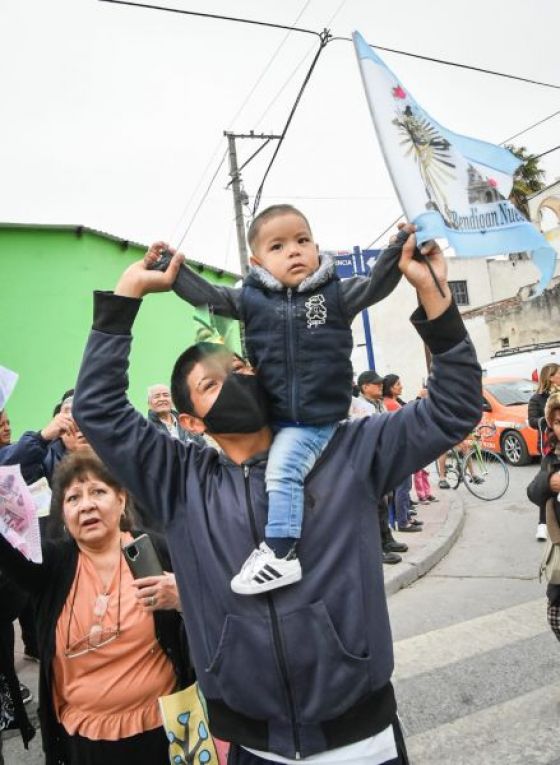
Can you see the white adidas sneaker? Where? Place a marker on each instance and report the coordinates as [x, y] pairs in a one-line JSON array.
[[263, 571], [541, 534]]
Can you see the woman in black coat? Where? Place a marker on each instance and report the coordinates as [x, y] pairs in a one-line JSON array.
[[80, 642]]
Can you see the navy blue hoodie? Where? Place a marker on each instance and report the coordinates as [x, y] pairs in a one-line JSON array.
[[305, 668]]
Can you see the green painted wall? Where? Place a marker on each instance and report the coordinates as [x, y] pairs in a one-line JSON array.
[[47, 278]]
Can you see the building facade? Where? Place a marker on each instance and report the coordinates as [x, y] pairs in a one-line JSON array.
[[48, 275]]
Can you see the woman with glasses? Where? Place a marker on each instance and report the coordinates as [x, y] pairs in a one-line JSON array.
[[109, 645]]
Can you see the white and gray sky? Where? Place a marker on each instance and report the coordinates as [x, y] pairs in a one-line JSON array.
[[111, 114]]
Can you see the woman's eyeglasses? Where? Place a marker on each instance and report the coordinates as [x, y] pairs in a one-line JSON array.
[[98, 635]]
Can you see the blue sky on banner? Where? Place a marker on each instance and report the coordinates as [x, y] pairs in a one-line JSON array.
[[451, 186]]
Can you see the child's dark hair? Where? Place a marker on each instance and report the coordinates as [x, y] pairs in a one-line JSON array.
[[272, 212]]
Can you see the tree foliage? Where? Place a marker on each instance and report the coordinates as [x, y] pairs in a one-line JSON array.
[[528, 179]]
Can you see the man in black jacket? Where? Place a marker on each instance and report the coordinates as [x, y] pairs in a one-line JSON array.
[[304, 669]]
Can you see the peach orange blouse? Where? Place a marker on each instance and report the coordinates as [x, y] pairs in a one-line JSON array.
[[111, 692]]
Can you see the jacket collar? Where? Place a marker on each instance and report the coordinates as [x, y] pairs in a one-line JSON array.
[[256, 459], [260, 277]]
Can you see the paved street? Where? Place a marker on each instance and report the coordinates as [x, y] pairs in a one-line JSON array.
[[477, 668]]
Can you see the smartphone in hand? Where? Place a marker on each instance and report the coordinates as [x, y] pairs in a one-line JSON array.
[[142, 558]]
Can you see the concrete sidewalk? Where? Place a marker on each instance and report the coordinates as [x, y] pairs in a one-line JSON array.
[[443, 522]]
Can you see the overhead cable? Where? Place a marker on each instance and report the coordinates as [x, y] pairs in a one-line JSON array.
[[456, 64], [216, 16], [386, 231], [236, 115], [203, 199], [544, 153], [303, 30], [534, 125], [269, 62], [324, 39]]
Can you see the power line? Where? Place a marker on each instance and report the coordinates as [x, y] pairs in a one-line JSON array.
[[324, 39], [214, 16], [303, 30], [456, 64], [269, 63], [236, 115], [386, 231], [331, 198], [202, 200], [284, 86], [296, 68], [544, 153], [534, 125]]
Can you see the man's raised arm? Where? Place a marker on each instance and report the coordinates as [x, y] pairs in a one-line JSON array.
[[146, 461], [393, 446]]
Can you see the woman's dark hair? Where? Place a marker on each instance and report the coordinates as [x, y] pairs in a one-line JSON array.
[[388, 382], [77, 466]]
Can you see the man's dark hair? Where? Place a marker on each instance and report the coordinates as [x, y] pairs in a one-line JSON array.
[[180, 392], [77, 466], [370, 376], [272, 212]]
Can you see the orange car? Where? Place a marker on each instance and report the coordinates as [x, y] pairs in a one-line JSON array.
[[505, 406]]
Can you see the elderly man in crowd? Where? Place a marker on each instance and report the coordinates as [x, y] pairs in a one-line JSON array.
[[164, 417]]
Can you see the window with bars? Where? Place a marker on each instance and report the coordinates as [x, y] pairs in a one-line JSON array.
[[460, 292]]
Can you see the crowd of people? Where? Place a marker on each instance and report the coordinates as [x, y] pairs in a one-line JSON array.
[[273, 572]]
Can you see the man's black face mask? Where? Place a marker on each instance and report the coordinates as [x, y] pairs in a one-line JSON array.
[[241, 406]]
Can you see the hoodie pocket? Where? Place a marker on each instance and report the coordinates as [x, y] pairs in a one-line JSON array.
[[325, 676], [245, 668]]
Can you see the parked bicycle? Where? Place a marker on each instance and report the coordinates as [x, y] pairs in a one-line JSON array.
[[484, 473]]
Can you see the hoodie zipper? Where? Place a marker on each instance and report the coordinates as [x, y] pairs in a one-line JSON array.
[[291, 356], [277, 637]]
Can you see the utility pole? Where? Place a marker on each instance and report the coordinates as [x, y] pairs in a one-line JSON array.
[[237, 204], [239, 195]]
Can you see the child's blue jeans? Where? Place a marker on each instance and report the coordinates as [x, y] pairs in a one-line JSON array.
[[293, 453]]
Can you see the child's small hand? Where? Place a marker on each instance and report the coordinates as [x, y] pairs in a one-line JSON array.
[[154, 253], [140, 279]]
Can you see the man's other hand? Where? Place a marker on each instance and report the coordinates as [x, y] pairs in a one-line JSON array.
[[435, 297]]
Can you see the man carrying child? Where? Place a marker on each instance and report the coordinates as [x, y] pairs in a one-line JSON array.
[[306, 669]]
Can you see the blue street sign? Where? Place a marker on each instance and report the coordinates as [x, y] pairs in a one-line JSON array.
[[358, 263]]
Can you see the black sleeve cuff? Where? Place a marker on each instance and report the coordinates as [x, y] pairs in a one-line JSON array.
[[442, 333], [114, 314]]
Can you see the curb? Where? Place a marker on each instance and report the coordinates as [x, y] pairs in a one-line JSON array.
[[437, 548]]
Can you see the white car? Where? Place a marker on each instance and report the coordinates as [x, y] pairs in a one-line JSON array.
[[525, 361]]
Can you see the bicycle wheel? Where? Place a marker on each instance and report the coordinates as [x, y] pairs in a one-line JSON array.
[[485, 474]]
